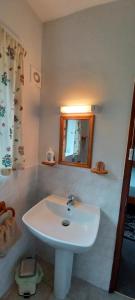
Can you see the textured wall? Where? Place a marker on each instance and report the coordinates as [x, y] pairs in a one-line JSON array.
[[88, 57], [19, 189]]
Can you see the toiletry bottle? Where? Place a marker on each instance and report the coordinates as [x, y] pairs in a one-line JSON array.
[[50, 155]]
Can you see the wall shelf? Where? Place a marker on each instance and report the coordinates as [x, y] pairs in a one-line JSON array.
[[103, 172], [48, 163], [100, 168]]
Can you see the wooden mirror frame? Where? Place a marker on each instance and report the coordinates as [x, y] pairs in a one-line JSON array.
[[90, 117]]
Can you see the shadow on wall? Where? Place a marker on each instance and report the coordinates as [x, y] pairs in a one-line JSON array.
[[95, 266]]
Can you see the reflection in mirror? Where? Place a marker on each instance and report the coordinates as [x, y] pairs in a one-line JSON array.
[[76, 133], [76, 139]]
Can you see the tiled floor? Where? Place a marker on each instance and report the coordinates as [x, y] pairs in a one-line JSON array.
[[80, 290]]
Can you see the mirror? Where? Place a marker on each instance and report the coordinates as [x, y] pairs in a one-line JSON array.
[[76, 139]]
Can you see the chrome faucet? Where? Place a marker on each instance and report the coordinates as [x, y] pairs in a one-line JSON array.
[[70, 200]]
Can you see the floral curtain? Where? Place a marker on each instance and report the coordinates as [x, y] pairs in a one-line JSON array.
[[77, 138], [11, 84]]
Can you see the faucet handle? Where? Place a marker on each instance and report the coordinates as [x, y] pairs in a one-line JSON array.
[[71, 197]]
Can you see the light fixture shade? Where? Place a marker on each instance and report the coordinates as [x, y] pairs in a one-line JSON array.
[[76, 109]]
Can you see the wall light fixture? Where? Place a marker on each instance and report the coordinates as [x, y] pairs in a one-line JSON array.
[[77, 109]]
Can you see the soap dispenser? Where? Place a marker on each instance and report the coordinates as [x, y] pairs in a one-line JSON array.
[[50, 156]]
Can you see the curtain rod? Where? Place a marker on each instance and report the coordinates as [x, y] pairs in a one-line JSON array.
[[10, 31]]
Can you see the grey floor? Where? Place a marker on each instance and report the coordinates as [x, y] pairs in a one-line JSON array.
[[126, 280], [80, 290]]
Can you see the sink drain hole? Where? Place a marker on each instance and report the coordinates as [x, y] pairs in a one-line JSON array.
[[65, 223]]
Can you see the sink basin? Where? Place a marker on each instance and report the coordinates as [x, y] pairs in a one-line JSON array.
[[47, 219], [69, 229]]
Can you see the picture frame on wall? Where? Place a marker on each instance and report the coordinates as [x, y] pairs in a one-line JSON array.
[[35, 76]]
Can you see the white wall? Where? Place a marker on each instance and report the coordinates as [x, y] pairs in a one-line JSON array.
[[88, 58], [19, 189]]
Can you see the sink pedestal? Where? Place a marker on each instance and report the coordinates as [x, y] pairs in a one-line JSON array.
[[63, 272]]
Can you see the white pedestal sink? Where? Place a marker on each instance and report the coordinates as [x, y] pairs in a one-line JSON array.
[[67, 231], [63, 272]]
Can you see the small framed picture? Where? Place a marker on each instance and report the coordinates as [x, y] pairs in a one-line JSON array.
[[35, 77]]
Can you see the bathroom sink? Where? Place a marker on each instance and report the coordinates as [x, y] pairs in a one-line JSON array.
[[69, 229], [73, 228]]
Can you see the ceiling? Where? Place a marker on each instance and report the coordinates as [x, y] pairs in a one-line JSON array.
[[52, 9]]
